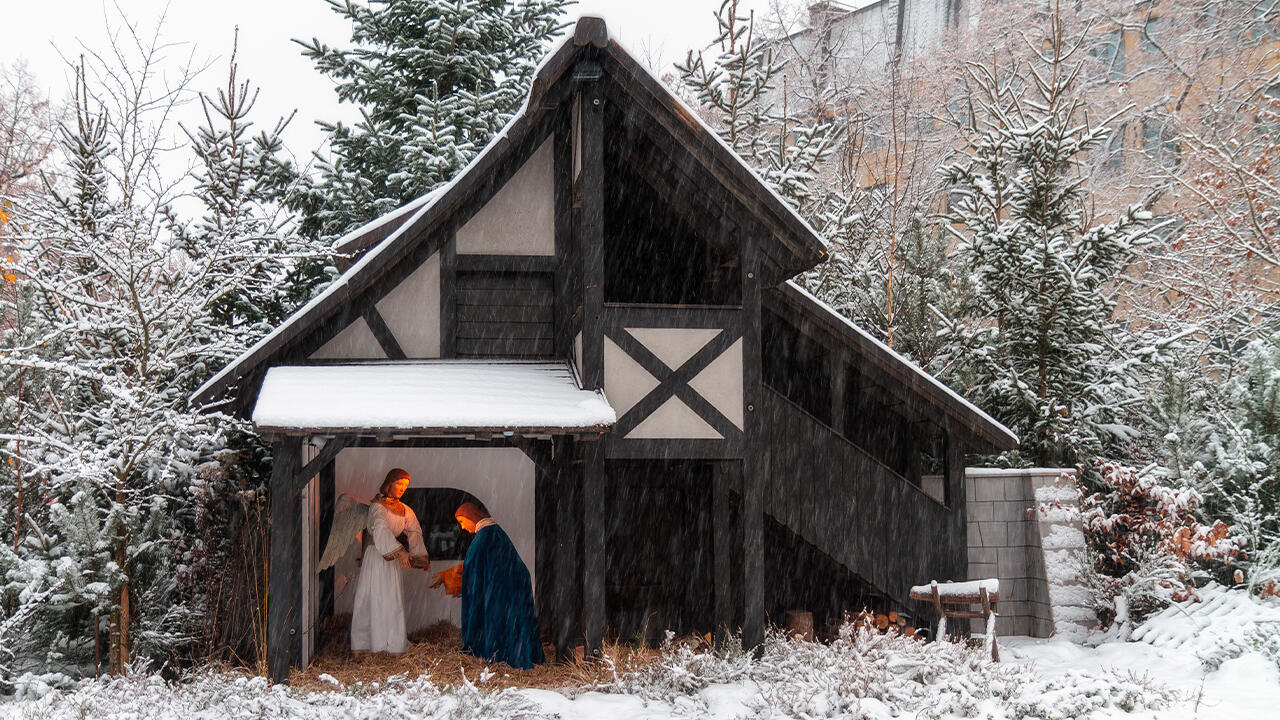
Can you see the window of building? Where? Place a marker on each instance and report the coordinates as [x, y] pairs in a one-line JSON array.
[[1110, 54]]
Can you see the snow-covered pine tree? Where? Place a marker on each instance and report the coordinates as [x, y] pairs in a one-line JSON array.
[[434, 80], [134, 307], [737, 87], [1036, 342]]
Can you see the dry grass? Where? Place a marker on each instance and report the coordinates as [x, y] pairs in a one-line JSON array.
[[437, 651]]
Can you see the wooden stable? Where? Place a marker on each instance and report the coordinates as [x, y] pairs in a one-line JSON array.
[[759, 453]]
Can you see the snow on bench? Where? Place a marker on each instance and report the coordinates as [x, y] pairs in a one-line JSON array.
[[957, 592], [951, 599]]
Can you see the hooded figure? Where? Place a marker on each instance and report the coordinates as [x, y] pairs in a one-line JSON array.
[[499, 622]]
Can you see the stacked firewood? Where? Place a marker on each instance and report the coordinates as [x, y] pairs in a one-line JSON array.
[[872, 621]]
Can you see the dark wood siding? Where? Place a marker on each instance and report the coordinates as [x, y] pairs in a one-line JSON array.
[[505, 314]]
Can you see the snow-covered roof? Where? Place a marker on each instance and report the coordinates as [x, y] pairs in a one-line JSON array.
[[429, 397], [949, 397], [388, 238]]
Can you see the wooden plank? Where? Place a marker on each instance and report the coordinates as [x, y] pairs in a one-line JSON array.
[[593, 550], [505, 281], [284, 579], [506, 313], [625, 315], [506, 263], [507, 348], [505, 330], [619, 448], [480, 297]]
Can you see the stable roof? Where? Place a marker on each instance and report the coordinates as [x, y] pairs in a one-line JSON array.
[[429, 397], [790, 244]]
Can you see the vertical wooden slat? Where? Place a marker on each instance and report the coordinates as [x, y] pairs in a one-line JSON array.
[[593, 549], [755, 462], [566, 594], [722, 551], [284, 597]]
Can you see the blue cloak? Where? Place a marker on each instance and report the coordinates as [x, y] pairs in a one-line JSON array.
[[499, 622]]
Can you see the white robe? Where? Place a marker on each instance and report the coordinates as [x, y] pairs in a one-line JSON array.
[[377, 619]]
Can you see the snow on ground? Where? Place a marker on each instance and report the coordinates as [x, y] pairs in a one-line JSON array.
[[1219, 658]]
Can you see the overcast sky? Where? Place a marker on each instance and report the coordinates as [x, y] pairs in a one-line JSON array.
[[44, 31]]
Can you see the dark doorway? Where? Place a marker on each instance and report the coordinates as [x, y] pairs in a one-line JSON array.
[[659, 572]]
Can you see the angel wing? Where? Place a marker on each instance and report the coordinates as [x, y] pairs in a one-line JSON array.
[[348, 522]]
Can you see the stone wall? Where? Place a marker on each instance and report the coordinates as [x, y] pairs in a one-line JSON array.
[[1008, 539]]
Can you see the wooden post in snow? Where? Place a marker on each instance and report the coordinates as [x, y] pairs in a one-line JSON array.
[[284, 593]]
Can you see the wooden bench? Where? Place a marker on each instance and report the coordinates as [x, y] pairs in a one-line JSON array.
[[954, 600]]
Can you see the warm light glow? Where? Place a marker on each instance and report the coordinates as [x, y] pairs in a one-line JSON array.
[[467, 523]]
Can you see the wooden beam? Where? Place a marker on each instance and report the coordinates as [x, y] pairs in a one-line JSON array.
[[284, 580], [327, 453], [722, 552], [755, 464], [382, 333], [590, 234], [593, 550], [567, 595]]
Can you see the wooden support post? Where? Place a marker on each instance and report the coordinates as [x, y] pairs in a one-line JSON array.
[[722, 550], [449, 296], [755, 462], [284, 580], [568, 521], [591, 235], [593, 549]]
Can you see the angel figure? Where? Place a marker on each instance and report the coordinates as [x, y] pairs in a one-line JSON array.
[[377, 619]]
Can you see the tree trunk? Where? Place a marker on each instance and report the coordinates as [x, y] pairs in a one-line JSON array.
[[120, 620]]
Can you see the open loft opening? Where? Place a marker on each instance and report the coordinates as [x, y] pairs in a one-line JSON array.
[[665, 240]]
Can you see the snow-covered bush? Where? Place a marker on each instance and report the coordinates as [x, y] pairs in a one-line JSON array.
[[1148, 540], [867, 673], [209, 696]]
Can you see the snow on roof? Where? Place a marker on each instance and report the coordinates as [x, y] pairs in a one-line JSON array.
[[429, 395], [904, 361]]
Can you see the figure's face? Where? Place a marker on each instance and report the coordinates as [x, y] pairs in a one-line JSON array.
[[466, 523], [397, 488]]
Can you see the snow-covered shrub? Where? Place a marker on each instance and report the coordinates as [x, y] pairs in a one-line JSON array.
[[1147, 540], [210, 695], [867, 673]]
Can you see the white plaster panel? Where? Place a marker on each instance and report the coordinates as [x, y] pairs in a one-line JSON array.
[[625, 381], [674, 346], [674, 419], [520, 218], [721, 383], [501, 478], [412, 311], [355, 342]]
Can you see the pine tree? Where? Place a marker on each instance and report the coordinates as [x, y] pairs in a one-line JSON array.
[[133, 307], [1037, 339], [434, 81]]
